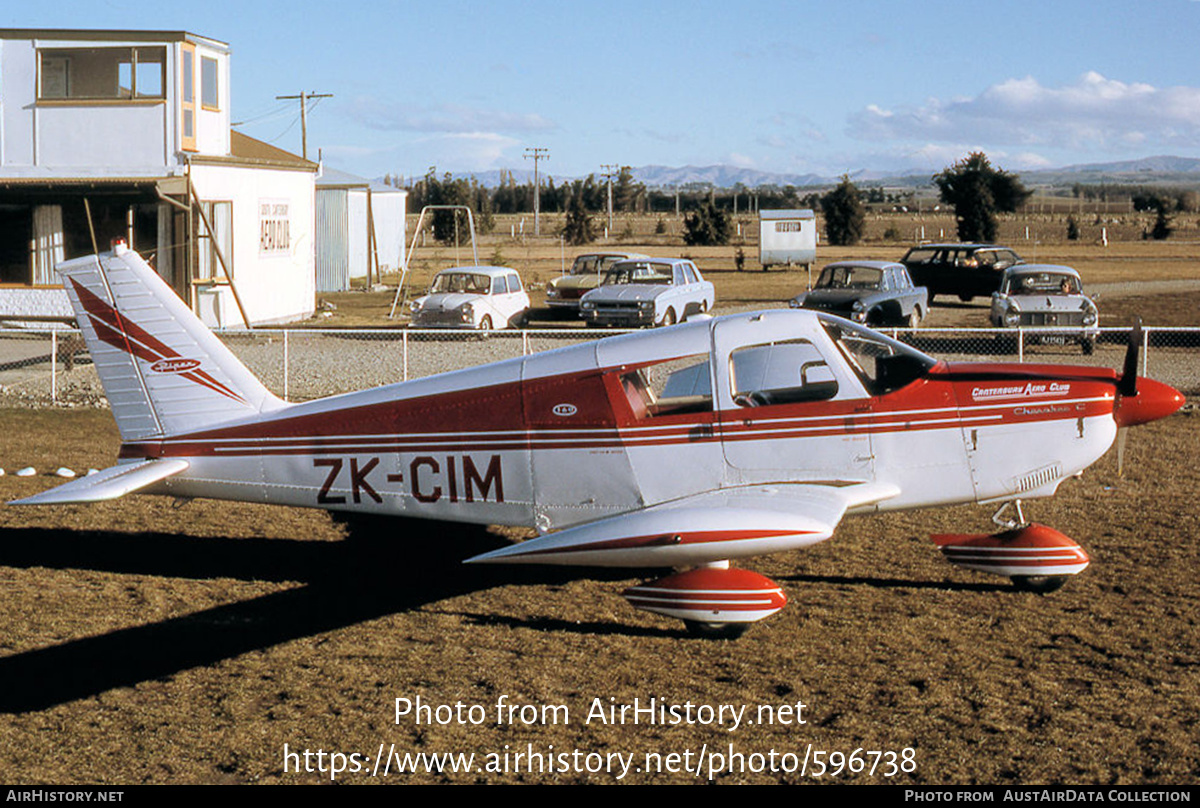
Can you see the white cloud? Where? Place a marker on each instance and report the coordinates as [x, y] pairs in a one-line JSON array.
[[449, 118], [468, 151], [1093, 113]]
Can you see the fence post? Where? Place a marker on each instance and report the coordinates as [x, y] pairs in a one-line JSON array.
[[285, 364], [525, 342], [404, 351], [53, 366], [1021, 345], [1145, 351]]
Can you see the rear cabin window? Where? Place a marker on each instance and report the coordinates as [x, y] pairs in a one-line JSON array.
[[672, 387]]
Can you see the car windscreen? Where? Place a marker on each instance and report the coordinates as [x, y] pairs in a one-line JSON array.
[[1048, 283], [638, 273], [920, 256], [849, 277], [467, 282]]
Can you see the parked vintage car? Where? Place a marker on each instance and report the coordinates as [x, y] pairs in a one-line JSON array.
[[648, 291], [1048, 299], [877, 293], [587, 271], [962, 270], [472, 297]]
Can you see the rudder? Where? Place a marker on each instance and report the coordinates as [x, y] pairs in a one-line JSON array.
[[163, 370]]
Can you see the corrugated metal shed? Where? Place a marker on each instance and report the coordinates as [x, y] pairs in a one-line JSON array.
[[348, 209]]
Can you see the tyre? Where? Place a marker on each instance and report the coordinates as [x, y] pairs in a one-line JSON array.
[[716, 631], [486, 323], [1041, 584]]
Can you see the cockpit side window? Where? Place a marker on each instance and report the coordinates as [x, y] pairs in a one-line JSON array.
[[784, 372]]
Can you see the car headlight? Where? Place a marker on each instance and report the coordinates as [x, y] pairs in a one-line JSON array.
[[794, 303], [552, 291], [646, 305], [587, 305], [1012, 315], [1090, 315], [414, 306]]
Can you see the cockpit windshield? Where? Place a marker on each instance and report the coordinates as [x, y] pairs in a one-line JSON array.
[[882, 363]]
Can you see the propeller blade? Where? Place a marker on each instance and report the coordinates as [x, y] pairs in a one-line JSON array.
[[1122, 435], [1127, 386]]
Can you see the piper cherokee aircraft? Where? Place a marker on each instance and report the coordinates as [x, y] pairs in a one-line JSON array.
[[684, 447]]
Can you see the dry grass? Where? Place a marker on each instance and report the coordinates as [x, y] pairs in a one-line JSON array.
[[148, 643], [1126, 258]]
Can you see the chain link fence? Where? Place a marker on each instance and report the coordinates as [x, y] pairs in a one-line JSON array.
[[52, 367]]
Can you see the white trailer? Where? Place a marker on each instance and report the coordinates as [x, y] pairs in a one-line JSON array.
[[787, 237]]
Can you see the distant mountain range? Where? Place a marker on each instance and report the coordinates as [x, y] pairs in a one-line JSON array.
[[1149, 170]]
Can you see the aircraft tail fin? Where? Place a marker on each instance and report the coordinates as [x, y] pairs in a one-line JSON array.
[[163, 370]]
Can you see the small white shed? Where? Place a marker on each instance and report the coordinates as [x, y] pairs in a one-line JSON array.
[[360, 229], [787, 237]]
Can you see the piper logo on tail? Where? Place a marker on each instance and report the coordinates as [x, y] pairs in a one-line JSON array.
[[175, 365]]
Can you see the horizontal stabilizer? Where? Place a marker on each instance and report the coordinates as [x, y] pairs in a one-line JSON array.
[[714, 526], [113, 482]]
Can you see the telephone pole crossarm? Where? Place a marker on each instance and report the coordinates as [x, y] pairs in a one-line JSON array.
[[304, 97]]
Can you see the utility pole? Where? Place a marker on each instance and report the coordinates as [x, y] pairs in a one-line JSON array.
[[610, 172], [537, 153], [303, 115]]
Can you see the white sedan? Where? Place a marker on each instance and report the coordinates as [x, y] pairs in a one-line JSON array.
[[648, 291], [472, 297]]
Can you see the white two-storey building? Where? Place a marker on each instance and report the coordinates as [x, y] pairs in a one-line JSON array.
[[110, 135]]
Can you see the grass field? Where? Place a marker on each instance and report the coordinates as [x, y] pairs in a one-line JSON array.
[[1127, 258], [144, 641]]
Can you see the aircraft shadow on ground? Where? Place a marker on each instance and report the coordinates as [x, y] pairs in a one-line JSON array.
[[340, 583]]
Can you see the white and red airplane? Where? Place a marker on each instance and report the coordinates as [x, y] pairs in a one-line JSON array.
[[684, 447]]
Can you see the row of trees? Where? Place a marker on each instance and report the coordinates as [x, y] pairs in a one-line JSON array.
[[977, 190]]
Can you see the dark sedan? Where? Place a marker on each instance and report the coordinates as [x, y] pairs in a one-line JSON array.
[[877, 293]]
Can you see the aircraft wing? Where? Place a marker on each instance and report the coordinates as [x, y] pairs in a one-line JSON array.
[[713, 526], [113, 482]]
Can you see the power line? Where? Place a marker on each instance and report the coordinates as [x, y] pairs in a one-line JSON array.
[[304, 115]]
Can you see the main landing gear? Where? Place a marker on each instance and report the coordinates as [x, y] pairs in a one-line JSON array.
[[715, 601]]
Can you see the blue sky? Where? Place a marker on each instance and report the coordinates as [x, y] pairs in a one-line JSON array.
[[778, 86]]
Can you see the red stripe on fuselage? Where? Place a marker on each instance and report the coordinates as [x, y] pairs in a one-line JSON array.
[[518, 416]]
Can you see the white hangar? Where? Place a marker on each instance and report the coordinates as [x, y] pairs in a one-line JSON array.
[[110, 135]]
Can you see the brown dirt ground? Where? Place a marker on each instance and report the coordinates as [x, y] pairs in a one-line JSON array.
[[148, 643]]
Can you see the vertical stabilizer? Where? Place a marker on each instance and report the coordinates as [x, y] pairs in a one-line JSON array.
[[162, 369]]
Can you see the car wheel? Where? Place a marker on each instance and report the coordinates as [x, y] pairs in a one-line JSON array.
[[914, 318], [1089, 347], [486, 323], [668, 318], [966, 298]]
